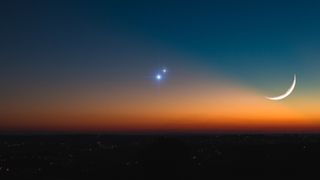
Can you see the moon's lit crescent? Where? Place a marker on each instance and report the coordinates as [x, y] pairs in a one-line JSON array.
[[290, 90]]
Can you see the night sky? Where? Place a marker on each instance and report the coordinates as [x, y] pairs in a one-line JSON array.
[[92, 65]]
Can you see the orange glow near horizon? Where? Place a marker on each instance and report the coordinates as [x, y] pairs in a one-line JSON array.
[[186, 107]]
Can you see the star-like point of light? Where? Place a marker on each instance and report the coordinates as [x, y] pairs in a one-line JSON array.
[[164, 70], [159, 77]]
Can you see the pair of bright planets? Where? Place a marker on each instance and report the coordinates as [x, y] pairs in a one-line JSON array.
[[160, 76]]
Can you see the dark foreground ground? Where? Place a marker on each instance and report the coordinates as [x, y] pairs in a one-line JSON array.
[[158, 157]]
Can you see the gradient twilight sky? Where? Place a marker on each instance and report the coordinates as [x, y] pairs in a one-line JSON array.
[[90, 65]]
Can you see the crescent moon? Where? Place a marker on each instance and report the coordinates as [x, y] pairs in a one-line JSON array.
[[289, 91]]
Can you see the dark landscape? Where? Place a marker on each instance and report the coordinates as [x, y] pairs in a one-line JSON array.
[[88, 156]]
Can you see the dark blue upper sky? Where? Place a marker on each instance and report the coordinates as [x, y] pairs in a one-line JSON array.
[[251, 41]]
